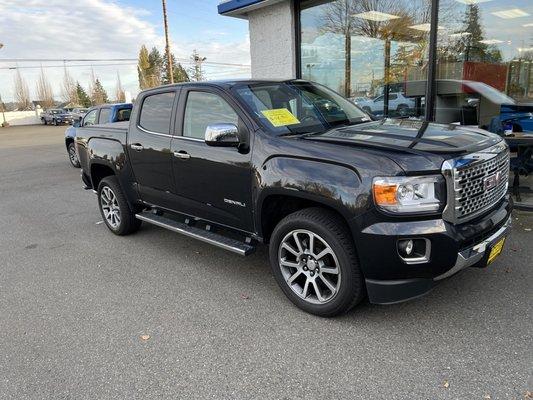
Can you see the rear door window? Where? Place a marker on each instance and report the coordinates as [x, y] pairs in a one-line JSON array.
[[156, 112], [105, 114]]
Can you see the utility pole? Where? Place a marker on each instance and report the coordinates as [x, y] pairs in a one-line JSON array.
[[167, 45]]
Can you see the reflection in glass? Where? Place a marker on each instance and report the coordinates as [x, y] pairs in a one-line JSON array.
[[484, 63], [367, 50]]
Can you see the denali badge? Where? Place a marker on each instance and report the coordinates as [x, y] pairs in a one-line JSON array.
[[492, 181], [234, 202]]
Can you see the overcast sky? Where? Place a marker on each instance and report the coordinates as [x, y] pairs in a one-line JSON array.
[[67, 29]]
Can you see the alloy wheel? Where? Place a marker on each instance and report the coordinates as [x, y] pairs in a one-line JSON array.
[[72, 155], [309, 266], [110, 207]]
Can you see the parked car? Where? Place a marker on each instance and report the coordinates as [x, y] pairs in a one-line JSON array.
[[102, 114], [397, 102], [56, 116], [348, 206], [78, 113]]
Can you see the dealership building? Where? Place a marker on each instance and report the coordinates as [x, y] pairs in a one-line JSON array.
[[476, 55]]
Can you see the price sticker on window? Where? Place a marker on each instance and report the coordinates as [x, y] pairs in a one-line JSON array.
[[280, 117]]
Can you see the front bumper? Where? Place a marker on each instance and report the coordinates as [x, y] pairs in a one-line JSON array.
[[389, 279]]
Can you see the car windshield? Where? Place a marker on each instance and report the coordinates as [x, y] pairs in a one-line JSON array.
[[56, 111], [297, 107]]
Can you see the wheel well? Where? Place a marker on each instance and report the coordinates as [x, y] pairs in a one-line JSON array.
[[99, 172], [277, 207], [68, 141]]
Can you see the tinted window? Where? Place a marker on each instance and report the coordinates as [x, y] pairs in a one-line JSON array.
[[156, 112], [204, 109], [123, 114], [105, 114], [90, 118]]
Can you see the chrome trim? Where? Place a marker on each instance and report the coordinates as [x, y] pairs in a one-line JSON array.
[[234, 246], [449, 170], [222, 134], [188, 138], [154, 133], [474, 254], [417, 260]]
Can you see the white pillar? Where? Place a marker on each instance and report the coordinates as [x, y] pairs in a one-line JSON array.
[[273, 41]]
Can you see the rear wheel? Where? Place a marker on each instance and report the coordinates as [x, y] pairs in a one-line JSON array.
[[115, 210], [313, 259], [73, 156], [402, 110]]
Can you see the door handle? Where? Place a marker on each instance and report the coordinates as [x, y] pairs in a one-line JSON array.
[[182, 154], [137, 147]]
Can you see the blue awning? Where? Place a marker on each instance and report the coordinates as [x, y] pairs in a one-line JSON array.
[[239, 8]]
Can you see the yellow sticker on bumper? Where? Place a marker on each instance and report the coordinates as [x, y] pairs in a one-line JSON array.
[[280, 117], [496, 250]]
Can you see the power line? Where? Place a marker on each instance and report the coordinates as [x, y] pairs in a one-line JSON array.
[[182, 60]]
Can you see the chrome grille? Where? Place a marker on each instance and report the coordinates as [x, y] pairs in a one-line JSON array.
[[476, 182]]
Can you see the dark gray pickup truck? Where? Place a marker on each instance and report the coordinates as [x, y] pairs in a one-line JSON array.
[[349, 206]]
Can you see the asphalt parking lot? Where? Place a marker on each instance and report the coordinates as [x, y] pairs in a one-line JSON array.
[[85, 314]]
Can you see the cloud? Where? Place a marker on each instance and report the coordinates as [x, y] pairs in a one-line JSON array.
[[57, 29]]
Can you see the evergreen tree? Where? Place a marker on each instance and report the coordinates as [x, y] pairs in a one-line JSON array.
[[180, 74], [83, 97], [156, 65], [98, 93]]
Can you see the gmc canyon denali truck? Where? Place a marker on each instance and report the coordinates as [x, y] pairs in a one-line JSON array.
[[349, 206]]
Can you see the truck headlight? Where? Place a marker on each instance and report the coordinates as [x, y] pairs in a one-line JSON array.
[[406, 194]]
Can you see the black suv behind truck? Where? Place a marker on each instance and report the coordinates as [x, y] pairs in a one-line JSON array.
[[349, 206]]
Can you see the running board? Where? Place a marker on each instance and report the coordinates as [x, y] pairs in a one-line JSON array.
[[224, 242]]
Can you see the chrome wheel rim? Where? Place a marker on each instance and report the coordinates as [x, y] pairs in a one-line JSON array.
[[309, 266], [72, 155], [110, 207]]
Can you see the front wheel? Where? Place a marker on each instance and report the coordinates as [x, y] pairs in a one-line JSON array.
[[115, 210], [73, 156], [314, 261]]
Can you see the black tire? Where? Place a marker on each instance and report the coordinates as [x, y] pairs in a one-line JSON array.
[[332, 229], [128, 223], [73, 156], [44, 120], [402, 110]]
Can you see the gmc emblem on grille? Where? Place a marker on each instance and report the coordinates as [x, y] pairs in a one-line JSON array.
[[492, 181]]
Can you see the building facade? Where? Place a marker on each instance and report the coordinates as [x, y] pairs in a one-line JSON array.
[[381, 54]]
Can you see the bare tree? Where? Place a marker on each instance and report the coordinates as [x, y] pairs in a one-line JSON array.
[[44, 90], [22, 93], [196, 74], [69, 91], [120, 95]]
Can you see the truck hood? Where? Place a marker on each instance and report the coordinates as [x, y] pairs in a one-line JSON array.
[[414, 145]]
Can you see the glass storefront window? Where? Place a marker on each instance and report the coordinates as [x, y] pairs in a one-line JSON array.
[[367, 50], [484, 57]]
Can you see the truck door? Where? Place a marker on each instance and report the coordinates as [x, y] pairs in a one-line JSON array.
[[149, 147], [213, 183]]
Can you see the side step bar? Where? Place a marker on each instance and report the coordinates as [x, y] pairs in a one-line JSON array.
[[224, 242]]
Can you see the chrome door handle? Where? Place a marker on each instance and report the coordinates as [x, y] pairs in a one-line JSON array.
[[137, 147], [182, 154]]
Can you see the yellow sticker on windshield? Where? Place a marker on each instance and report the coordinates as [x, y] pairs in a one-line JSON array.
[[280, 117]]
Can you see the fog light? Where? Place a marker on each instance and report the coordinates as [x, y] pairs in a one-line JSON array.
[[406, 247], [415, 250]]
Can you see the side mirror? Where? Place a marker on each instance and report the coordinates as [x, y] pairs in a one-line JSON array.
[[222, 135]]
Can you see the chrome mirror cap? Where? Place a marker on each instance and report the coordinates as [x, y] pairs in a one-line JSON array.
[[226, 135]]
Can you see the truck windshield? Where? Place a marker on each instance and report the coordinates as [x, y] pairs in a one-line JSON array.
[[295, 107]]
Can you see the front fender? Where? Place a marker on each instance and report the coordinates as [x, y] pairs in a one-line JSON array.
[[336, 186]]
